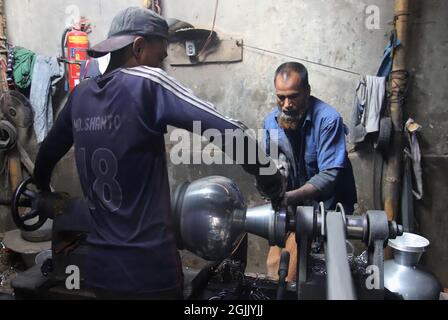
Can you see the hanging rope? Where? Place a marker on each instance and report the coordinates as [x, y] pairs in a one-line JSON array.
[[399, 86]]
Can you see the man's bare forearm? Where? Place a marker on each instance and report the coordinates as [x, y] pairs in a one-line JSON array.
[[306, 192]]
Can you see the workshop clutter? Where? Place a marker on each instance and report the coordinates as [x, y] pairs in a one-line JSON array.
[[33, 86], [36, 77]]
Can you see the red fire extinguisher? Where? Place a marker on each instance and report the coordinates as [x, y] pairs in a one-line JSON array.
[[77, 44]]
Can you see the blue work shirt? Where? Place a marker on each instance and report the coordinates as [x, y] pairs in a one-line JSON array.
[[318, 145]]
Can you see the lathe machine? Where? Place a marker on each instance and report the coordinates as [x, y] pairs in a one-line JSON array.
[[211, 219]]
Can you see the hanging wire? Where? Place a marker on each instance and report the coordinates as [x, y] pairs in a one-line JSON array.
[[207, 42], [300, 59]]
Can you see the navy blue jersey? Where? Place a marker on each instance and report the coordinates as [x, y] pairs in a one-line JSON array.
[[117, 124]]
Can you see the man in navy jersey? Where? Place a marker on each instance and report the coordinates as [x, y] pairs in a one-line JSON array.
[[117, 123]]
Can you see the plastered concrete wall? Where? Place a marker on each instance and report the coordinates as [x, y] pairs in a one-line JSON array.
[[306, 29], [38, 24]]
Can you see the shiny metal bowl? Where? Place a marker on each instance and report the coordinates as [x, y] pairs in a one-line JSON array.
[[209, 216]]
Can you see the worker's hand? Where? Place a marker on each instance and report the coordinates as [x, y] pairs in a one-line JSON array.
[[41, 204], [51, 204], [278, 184], [272, 188], [42, 187], [278, 203]]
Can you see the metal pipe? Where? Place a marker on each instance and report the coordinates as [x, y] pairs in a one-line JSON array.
[[259, 221], [392, 180], [356, 227]]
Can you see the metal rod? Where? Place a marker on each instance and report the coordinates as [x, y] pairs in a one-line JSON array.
[[392, 180], [282, 274], [339, 281], [356, 227]]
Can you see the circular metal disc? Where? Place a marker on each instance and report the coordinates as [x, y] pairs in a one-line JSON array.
[[17, 109], [409, 242]]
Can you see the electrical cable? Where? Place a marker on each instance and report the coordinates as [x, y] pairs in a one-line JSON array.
[[300, 59], [207, 42]]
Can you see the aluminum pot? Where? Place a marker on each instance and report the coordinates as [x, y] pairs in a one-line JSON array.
[[404, 276]]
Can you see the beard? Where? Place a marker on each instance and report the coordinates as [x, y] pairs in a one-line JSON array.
[[290, 120]]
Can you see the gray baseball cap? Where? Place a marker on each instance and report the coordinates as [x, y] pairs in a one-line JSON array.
[[126, 26]]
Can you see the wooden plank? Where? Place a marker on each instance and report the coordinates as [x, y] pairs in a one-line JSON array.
[[25, 158], [226, 51], [14, 168]]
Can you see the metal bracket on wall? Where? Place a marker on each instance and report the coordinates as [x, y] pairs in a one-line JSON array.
[[223, 51]]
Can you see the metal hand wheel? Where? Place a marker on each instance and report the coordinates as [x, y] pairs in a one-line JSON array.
[[25, 198]]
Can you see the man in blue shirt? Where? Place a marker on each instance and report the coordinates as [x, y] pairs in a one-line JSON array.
[[117, 123], [310, 136]]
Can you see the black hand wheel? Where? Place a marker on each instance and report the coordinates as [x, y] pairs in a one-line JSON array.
[[24, 198]]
